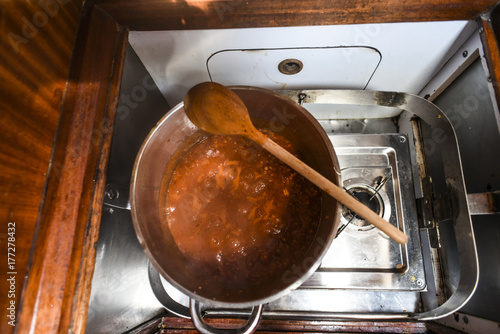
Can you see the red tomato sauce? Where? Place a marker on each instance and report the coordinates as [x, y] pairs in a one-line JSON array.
[[238, 213]]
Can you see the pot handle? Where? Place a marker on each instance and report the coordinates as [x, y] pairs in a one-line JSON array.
[[204, 328]]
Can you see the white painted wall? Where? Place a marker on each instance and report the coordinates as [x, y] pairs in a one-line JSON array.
[[395, 57]]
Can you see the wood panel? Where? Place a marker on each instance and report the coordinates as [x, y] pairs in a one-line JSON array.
[[185, 326], [70, 214], [36, 45], [193, 14], [82, 262], [490, 38]]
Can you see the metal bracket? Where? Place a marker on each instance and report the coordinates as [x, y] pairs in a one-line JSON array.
[[432, 210], [425, 206], [426, 221], [484, 203], [442, 209]]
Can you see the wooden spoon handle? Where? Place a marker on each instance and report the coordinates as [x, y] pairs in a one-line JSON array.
[[333, 190]]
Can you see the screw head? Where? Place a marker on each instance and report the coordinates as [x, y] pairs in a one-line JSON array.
[[111, 193]]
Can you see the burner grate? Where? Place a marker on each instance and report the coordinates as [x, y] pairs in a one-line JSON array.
[[376, 170]]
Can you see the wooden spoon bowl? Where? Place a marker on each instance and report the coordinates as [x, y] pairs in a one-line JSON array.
[[218, 110]]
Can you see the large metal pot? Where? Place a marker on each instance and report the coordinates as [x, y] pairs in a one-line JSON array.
[[164, 147]]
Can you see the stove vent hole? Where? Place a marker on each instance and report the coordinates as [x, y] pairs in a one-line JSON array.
[[368, 197], [290, 66]]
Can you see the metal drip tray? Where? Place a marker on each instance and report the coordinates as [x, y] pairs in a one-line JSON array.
[[362, 257]]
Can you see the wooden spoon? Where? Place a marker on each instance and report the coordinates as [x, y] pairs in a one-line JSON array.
[[217, 109]]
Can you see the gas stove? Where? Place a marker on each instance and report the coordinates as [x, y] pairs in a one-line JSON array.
[[364, 272], [376, 170], [364, 275]]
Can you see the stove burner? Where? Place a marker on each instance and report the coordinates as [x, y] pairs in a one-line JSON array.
[[368, 196]]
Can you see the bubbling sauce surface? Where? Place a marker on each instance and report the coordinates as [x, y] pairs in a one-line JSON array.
[[239, 214]]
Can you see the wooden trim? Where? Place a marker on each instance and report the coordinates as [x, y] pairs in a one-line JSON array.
[[77, 294], [216, 14], [36, 47], [490, 36], [185, 326], [70, 216]]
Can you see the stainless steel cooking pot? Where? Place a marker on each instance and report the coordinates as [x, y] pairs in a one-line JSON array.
[[175, 134]]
